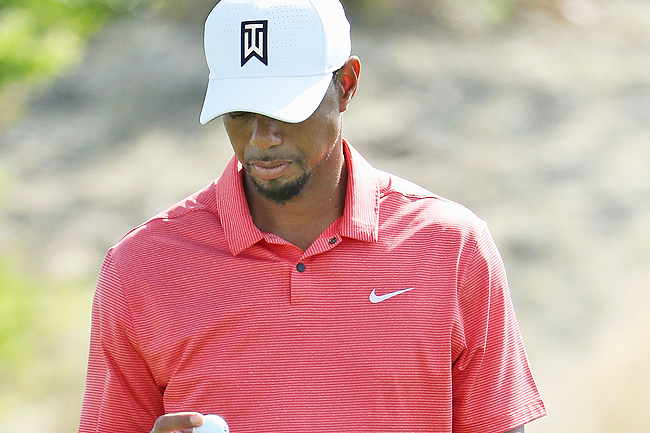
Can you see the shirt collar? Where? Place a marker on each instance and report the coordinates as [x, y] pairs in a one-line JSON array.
[[361, 214], [360, 218]]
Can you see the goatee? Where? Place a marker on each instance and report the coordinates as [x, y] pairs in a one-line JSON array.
[[281, 193]]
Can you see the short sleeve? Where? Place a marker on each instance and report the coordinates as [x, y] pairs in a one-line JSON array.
[[493, 387], [121, 394]]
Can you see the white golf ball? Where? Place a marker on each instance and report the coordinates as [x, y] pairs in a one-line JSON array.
[[212, 424]]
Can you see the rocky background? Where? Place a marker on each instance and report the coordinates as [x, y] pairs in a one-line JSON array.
[[540, 123]]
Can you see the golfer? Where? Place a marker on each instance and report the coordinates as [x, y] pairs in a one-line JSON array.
[[303, 290]]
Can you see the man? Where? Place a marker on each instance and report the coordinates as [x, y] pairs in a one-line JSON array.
[[303, 290]]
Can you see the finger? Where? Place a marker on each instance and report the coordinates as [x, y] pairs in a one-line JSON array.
[[177, 422]]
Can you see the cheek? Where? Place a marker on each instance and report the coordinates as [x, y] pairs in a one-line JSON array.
[[329, 119], [324, 126], [328, 132], [236, 138], [317, 139]]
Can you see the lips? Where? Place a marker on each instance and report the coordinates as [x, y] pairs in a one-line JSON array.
[[269, 169]]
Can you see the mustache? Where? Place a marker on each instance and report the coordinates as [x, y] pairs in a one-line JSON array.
[[271, 157]]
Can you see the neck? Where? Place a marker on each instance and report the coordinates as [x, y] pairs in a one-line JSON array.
[[303, 218]]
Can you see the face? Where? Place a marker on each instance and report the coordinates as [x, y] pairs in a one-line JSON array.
[[281, 158]]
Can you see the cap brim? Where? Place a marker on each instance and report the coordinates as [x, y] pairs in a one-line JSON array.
[[289, 99]]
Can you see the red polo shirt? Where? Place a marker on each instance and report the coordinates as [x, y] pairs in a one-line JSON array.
[[397, 318]]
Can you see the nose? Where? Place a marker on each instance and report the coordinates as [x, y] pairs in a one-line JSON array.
[[266, 132]]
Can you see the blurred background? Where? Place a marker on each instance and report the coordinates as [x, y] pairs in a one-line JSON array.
[[533, 113]]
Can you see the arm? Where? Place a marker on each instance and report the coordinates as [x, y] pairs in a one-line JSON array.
[[121, 392], [492, 383]]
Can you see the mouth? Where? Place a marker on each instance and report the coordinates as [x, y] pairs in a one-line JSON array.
[[269, 170]]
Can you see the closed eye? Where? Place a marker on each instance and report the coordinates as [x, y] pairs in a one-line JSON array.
[[237, 114]]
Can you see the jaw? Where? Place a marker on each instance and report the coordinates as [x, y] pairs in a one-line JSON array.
[[280, 191]]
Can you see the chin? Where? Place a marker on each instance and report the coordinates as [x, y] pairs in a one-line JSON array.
[[281, 192]]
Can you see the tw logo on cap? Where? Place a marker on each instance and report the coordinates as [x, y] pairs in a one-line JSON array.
[[254, 41]]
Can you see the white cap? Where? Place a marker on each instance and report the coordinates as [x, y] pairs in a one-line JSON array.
[[273, 57]]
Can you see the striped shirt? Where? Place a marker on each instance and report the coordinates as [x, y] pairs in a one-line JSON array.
[[397, 318]]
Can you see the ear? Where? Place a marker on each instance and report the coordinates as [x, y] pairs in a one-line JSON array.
[[348, 81]]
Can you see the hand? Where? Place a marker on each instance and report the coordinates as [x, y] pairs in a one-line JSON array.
[[182, 422]]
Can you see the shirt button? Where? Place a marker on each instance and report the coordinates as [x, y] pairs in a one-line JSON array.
[[333, 241], [300, 267]]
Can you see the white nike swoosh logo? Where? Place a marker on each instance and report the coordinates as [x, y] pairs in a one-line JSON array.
[[376, 299]]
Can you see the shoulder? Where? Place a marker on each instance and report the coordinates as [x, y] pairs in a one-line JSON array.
[[203, 200], [400, 198], [194, 214]]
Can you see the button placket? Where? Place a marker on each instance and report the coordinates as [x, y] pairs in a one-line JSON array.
[[300, 278], [300, 282]]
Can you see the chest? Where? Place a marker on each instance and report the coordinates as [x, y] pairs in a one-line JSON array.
[[301, 334]]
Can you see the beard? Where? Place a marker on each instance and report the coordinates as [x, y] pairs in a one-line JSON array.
[[281, 192]]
